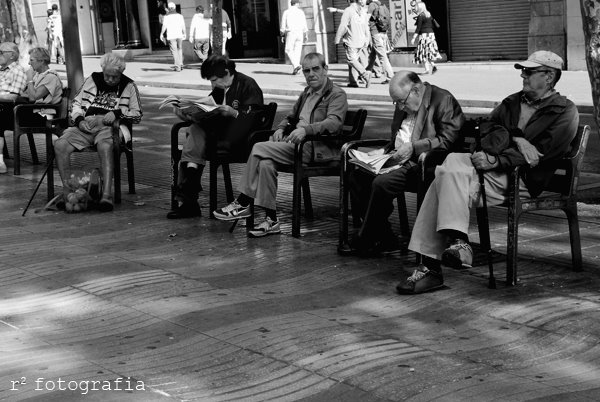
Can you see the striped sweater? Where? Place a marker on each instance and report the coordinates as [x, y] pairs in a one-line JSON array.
[[96, 98]]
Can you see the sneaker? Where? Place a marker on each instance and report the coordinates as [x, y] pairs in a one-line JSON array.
[[266, 227], [458, 255], [3, 168], [422, 280], [232, 212], [386, 81]]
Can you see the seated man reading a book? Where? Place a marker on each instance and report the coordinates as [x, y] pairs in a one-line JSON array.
[[532, 128], [425, 117], [234, 93], [320, 109]]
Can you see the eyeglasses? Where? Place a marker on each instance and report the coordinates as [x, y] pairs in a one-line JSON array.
[[530, 71], [402, 103]]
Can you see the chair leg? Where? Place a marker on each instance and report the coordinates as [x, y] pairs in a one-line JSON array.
[[404, 227], [511, 247], [574, 236], [296, 204], [343, 222], [34, 155], [213, 188], [50, 162], [227, 178], [175, 158], [308, 207], [130, 171], [16, 153], [117, 174]]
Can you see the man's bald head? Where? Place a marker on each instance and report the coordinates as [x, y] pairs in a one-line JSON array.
[[406, 90], [403, 79]]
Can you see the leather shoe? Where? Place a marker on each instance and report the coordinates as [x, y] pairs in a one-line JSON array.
[[185, 210], [422, 280]]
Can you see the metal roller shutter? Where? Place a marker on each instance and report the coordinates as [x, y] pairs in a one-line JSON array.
[[488, 29]]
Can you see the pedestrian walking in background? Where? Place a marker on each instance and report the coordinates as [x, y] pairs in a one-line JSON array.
[[200, 33], [58, 49], [49, 29], [427, 49], [379, 23], [354, 33], [295, 31], [174, 26]]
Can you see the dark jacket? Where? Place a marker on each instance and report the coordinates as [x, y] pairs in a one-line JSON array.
[[438, 124], [327, 118], [551, 130], [243, 92]]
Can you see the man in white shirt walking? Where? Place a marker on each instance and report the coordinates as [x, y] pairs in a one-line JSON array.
[[174, 26], [295, 30], [200, 33]]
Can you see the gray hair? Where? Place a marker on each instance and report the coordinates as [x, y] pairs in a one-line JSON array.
[[111, 60], [40, 53]]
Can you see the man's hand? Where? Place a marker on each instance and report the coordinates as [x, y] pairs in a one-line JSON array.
[[297, 136], [227, 111], [181, 114], [403, 153], [108, 118], [530, 152], [483, 161], [277, 135]]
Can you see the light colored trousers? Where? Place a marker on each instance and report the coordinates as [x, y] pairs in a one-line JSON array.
[[293, 46], [176, 48], [381, 58], [259, 179], [358, 59], [194, 147], [456, 184]]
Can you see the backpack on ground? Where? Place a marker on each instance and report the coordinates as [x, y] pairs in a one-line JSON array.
[[382, 19]]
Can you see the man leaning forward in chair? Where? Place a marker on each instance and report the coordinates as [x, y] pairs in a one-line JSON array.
[[320, 110], [104, 97], [426, 117], [235, 93], [531, 128]]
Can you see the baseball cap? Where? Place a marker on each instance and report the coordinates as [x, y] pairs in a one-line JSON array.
[[171, 5], [541, 58]]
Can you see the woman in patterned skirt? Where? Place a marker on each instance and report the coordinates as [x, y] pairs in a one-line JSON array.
[[427, 49]]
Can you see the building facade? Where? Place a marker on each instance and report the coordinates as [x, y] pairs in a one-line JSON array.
[[470, 30]]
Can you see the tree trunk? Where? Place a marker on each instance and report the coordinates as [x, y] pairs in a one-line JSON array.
[[16, 25], [590, 13], [217, 27]]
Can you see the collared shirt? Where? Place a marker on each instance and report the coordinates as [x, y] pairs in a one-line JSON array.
[[354, 27], [404, 133], [309, 105], [293, 19], [12, 79], [200, 27]]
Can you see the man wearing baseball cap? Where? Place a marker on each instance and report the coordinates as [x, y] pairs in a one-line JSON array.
[[533, 127]]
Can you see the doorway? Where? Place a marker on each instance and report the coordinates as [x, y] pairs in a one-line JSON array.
[[255, 28]]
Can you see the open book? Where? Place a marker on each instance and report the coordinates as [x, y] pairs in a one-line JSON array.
[[377, 163], [189, 106]]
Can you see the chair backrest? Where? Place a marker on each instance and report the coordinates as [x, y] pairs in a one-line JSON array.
[[64, 103], [354, 124], [566, 177]]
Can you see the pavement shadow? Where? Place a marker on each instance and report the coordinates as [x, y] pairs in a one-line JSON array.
[[273, 73]]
